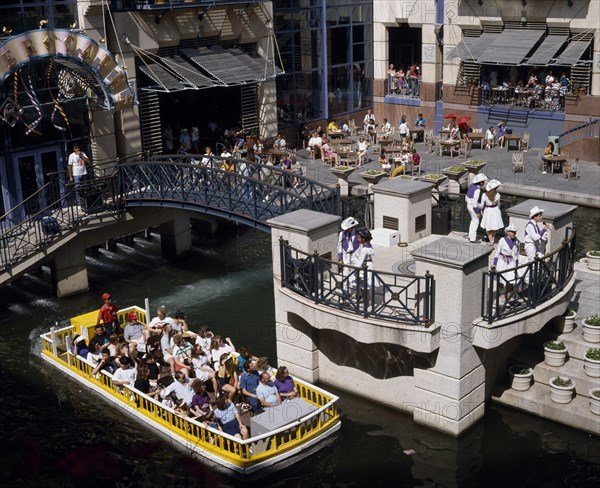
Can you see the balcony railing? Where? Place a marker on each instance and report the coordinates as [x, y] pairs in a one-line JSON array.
[[404, 88], [360, 291], [513, 291], [167, 4]]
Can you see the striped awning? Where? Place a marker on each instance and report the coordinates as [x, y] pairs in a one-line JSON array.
[[511, 47], [573, 52], [547, 50], [471, 48]]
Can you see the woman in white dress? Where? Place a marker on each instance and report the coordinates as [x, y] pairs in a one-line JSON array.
[[364, 255], [506, 258], [491, 220]]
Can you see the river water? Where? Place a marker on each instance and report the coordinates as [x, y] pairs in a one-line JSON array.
[[57, 434]]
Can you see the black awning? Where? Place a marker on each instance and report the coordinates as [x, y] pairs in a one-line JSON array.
[[173, 73], [511, 47], [471, 48], [231, 66], [547, 50]]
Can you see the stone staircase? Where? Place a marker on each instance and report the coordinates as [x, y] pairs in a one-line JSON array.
[[536, 400]]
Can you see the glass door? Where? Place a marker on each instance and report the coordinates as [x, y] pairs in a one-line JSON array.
[[35, 169]]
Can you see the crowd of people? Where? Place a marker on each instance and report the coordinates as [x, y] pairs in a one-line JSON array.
[[168, 362], [401, 82]]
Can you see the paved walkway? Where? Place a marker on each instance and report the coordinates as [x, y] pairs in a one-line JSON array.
[[532, 183]]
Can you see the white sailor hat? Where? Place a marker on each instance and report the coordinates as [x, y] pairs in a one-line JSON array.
[[479, 178], [349, 223], [511, 228], [492, 184], [79, 339], [535, 211]]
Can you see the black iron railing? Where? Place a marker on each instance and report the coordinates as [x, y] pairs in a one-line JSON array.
[[511, 292], [361, 291], [47, 215], [239, 190]]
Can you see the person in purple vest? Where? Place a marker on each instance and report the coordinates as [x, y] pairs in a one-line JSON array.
[[507, 258], [347, 244], [536, 234], [473, 199]]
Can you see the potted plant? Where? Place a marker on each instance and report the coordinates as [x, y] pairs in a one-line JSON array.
[[566, 322], [595, 400], [593, 260], [520, 377], [434, 178], [591, 362], [561, 389], [373, 176], [454, 172], [591, 329], [555, 353], [342, 172]]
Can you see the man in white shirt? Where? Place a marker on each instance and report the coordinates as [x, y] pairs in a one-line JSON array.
[[161, 319], [126, 374], [387, 129], [280, 142], [403, 129], [362, 150], [77, 167], [315, 143], [369, 121]]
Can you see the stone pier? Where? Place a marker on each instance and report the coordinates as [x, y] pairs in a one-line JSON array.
[[176, 236], [69, 271]]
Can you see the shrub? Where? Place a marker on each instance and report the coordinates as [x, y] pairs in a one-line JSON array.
[[475, 162], [373, 172], [558, 381], [555, 346], [455, 169], [593, 353], [595, 253], [596, 393], [520, 369], [594, 320], [569, 312], [433, 176]]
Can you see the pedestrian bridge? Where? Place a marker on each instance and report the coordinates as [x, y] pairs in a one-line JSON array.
[[237, 190]]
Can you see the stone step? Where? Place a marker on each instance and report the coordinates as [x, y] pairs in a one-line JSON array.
[[573, 368], [536, 401], [574, 341]]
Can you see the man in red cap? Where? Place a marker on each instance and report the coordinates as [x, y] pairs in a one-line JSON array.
[[108, 315]]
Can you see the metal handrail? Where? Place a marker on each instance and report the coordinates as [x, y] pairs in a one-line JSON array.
[[252, 193], [360, 291], [590, 129], [513, 291]]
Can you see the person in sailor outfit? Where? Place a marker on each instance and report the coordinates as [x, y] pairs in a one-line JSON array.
[[490, 208], [506, 258], [536, 234], [473, 198], [347, 243], [364, 255]]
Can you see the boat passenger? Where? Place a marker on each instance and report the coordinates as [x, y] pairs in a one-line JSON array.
[[166, 344], [108, 315], [142, 382], [181, 387], [285, 384], [153, 368], [266, 392], [227, 377], [262, 366], [107, 363], [123, 352], [162, 318], [204, 338], [201, 365], [126, 374], [100, 341], [135, 334], [218, 348], [80, 347], [181, 325], [113, 344], [200, 400], [182, 354], [243, 356], [249, 381], [229, 418]]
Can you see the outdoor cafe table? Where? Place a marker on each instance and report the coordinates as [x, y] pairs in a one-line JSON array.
[[418, 134], [476, 137], [516, 138], [554, 162], [336, 134], [447, 145]]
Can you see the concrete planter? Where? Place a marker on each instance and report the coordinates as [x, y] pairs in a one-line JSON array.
[[454, 175], [561, 394], [473, 169], [565, 323], [595, 400], [591, 367], [593, 262], [591, 333], [342, 172], [373, 178], [520, 381], [555, 357]]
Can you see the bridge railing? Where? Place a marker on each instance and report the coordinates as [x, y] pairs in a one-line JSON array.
[[360, 291], [240, 189], [45, 216], [513, 291]]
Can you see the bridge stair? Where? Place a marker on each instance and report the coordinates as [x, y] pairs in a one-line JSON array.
[[536, 400]]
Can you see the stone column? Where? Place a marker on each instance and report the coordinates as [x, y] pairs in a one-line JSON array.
[[297, 339], [450, 396], [558, 215], [175, 236], [408, 202], [69, 271]]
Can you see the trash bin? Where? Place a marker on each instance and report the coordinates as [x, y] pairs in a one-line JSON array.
[[554, 140]]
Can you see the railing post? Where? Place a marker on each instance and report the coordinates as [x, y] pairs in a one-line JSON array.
[[53, 335], [282, 254], [490, 297], [428, 291], [362, 273], [315, 279]]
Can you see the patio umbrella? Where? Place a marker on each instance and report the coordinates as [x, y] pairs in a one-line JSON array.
[[465, 119], [450, 116]]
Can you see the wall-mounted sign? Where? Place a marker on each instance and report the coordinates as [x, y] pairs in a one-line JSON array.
[[87, 54]]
